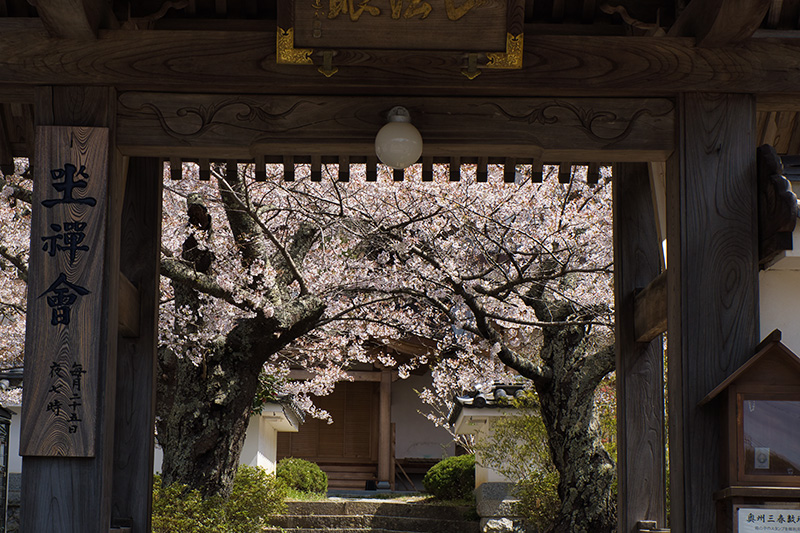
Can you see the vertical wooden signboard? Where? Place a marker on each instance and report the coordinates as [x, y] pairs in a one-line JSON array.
[[59, 406]]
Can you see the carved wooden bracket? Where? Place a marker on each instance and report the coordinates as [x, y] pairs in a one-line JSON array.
[[777, 206]]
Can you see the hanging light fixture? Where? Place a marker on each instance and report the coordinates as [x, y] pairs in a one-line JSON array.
[[398, 143]]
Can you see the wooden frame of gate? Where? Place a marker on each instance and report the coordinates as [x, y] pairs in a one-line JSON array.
[[675, 114]]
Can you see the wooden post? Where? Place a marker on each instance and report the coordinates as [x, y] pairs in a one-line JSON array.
[[66, 494], [640, 366], [136, 358], [385, 428], [712, 268]]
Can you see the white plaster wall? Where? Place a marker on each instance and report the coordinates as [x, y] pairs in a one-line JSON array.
[[415, 435], [260, 445], [250, 453], [269, 447], [14, 458], [779, 293], [257, 436]]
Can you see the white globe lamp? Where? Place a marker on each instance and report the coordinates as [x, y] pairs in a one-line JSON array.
[[398, 143]]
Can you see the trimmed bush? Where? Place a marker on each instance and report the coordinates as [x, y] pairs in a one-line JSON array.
[[255, 498], [452, 478], [302, 475]]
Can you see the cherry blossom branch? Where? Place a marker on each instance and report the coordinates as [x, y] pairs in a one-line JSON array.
[[484, 329], [179, 272], [543, 324], [597, 365], [284, 253], [11, 190], [17, 260], [13, 306], [342, 314]]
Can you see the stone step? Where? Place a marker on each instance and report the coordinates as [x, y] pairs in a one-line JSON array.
[[392, 523], [326, 530], [381, 508]]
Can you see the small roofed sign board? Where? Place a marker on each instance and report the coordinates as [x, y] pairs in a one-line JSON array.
[[62, 344], [402, 24]]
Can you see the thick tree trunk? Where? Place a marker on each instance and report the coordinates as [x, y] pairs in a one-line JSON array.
[[568, 410], [586, 470], [204, 410]]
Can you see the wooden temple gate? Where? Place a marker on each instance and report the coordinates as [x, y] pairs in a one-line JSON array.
[[679, 114]]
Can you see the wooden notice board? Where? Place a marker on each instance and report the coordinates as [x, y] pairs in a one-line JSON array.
[[59, 405]]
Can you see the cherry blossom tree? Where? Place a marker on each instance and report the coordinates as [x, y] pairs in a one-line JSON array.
[[260, 277], [14, 246], [523, 274]]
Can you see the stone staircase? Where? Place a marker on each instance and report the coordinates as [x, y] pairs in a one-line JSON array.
[[374, 516]]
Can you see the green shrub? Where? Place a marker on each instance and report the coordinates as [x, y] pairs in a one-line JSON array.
[[518, 449], [176, 509], [452, 478], [256, 496], [538, 499], [302, 475]]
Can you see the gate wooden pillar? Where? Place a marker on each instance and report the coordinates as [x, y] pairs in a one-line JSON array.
[[93, 484], [385, 458], [640, 365], [712, 269], [136, 352], [73, 494]]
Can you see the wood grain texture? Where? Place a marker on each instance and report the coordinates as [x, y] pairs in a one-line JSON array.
[[128, 308], [136, 363], [712, 284], [650, 309], [72, 19], [716, 23], [600, 129], [244, 62], [65, 293], [640, 366], [68, 495], [6, 155]]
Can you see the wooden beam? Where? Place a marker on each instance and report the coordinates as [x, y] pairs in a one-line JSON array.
[[510, 170], [344, 168], [712, 284], [128, 308], [640, 365], [74, 19], [244, 62], [650, 309], [455, 168], [196, 125], [658, 188], [357, 375], [6, 155], [718, 23]]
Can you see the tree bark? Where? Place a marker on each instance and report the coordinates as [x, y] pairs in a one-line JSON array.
[[568, 410], [204, 411], [566, 383]]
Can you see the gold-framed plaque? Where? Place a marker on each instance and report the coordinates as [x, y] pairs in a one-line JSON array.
[[471, 34]]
